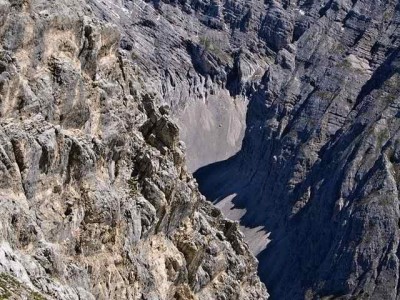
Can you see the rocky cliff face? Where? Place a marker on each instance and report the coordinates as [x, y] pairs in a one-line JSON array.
[[317, 168], [96, 202], [319, 165], [97, 199]]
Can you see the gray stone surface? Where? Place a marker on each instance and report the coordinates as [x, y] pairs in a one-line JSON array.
[[96, 202], [318, 168], [312, 89]]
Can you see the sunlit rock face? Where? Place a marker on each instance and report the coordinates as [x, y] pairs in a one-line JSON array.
[[96, 199], [288, 114]]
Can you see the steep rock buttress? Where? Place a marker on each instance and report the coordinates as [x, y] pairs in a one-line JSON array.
[[96, 202]]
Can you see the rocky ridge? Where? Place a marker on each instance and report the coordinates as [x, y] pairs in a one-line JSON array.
[[311, 87], [96, 199], [318, 167]]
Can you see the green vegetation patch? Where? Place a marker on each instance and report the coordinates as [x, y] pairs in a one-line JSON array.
[[10, 287], [214, 44]]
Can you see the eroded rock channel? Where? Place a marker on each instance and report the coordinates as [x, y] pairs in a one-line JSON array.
[[289, 113]]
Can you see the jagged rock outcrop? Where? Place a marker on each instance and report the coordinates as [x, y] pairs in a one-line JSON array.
[[96, 202], [318, 168], [195, 55], [311, 87]]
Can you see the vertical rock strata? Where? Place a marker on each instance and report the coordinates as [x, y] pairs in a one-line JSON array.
[[96, 202], [319, 165], [96, 199]]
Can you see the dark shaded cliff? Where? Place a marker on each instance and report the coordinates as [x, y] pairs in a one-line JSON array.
[[319, 164]]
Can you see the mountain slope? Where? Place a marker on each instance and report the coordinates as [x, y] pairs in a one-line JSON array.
[[96, 200], [289, 109], [318, 168]]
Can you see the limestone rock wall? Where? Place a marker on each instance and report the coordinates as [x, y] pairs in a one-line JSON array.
[[96, 201]]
